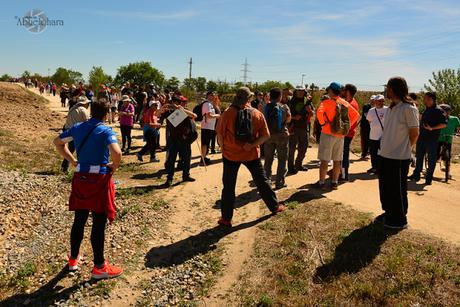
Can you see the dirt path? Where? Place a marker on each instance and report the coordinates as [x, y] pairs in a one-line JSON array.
[[433, 210]]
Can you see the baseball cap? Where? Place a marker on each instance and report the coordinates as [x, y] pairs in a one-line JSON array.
[[379, 97], [242, 95], [373, 97], [335, 86]]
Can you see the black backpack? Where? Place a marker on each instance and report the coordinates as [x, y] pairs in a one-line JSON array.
[[274, 117], [198, 110], [243, 125]]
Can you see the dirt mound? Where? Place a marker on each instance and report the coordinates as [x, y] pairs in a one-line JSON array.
[[26, 130]]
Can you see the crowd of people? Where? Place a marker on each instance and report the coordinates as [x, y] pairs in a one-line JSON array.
[[254, 130]]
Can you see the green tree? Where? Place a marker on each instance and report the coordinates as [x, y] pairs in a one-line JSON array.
[[63, 75], [140, 73], [189, 84], [268, 85], [25, 74], [5, 77], [212, 86], [446, 84], [97, 76], [200, 84], [172, 84]]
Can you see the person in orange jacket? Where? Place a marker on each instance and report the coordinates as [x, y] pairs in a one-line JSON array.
[[332, 142], [348, 94]]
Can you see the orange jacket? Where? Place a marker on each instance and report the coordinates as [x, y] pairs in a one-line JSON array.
[[326, 113]]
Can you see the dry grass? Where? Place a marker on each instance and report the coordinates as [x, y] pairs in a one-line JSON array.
[[322, 253]]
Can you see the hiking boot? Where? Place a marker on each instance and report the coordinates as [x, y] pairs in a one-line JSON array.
[[395, 226], [225, 223], [380, 218], [292, 171], [108, 271], [281, 208], [168, 183], [414, 177], [320, 186], [72, 264], [301, 168], [188, 179], [280, 186], [428, 182], [155, 160], [139, 157]]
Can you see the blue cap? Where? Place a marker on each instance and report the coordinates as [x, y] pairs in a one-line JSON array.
[[335, 86]]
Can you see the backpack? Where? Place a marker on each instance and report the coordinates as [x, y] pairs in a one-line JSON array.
[[198, 110], [274, 117], [243, 125], [340, 124], [186, 131]]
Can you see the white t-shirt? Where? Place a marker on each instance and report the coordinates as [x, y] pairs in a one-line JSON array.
[[376, 129], [208, 123]]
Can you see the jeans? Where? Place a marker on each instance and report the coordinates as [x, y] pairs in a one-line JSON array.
[[65, 163], [126, 135], [229, 180], [280, 144], [430, 148], [299, 140], [346, 156], [151, 145], [393, 189], [374, 149], [97, 235], [184, 150]]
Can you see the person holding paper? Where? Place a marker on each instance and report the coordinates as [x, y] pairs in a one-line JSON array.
[[182, 133]]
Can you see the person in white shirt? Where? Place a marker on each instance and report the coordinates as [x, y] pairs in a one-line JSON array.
[[208, 126], [376, 118]]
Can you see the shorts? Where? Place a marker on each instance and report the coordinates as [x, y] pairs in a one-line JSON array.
[[330, 148], [206, 136]]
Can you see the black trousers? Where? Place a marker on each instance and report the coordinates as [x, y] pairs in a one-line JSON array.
[[126, 135], [150, 144], [365, 141], [374, 149], [97, 235], [229, 180], [393, 189], [65, 163]]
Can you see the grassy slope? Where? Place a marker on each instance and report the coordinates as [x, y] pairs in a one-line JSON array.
[[322, 253]]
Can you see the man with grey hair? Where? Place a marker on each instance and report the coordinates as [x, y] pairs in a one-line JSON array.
[[240, 132], [79, 113]]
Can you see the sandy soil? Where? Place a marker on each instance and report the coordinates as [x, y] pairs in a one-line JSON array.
[[433, 210]]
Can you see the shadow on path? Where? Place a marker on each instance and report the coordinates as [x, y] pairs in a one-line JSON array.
[[47, 294], [183, 250], [355, 252]]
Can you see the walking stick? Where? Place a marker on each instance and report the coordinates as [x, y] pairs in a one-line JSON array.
[[201, 154]]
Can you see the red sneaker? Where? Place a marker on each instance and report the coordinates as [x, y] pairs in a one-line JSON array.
[[223, 222], [280, 208], [108, 271], [72, 264]]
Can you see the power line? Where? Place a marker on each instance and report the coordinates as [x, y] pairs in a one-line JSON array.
[[245, 71], [190, 63]]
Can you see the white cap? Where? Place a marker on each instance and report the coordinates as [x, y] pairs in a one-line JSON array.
[[379, 97], [373, 97]]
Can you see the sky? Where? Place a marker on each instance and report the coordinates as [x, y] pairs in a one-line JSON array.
[[360, 42]]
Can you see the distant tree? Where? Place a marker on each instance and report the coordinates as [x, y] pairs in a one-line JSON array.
[[63, 75], [38, 77], [200, 84], [189, 84], [288, 85], [268, 85], [5, 77], [224, 88], [140, 73], [446, 84], [25, 74], [172, 83], [97, 76], [212, 86], [314, 87]]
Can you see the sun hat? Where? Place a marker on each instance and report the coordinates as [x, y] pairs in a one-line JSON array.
[[125, 98], [242, 96], [82, 99]]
